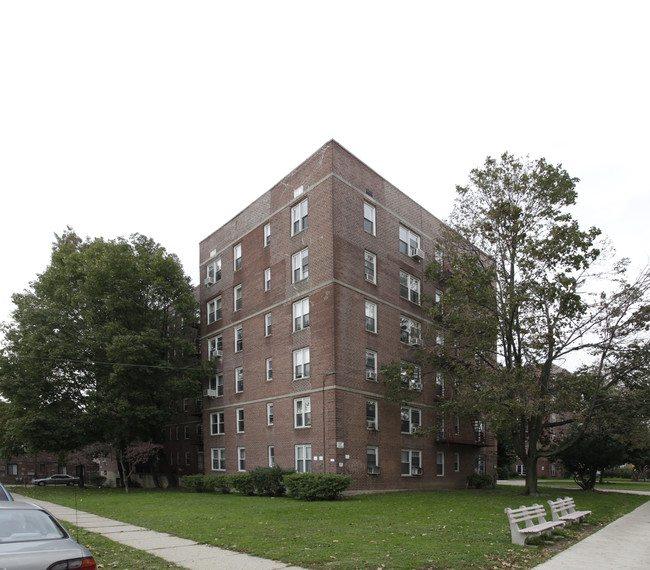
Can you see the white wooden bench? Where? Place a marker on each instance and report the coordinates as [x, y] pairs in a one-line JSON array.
[[565, 510], [534, 519]]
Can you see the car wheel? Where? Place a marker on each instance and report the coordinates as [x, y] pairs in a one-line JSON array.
[[41, 483]]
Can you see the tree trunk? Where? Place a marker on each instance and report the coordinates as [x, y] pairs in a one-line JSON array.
[[531, 475]]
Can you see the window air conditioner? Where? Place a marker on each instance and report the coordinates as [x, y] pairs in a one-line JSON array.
[[414, 429], [370, 424], [415, 341], [417, 254], [374, 470], [371, 375], [208, 281], [210, 393], [217, 354], [416, 470]]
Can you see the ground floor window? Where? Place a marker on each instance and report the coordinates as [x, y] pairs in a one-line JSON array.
[[219, 459], [411, 462], [303, 458], [12, 469], [440, 464], [372, 460], [241, 459], [271, 456]]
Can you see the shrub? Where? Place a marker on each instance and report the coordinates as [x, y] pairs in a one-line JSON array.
[[196, 482], [316, 486], [220, 482], [98, 480], [243, 483], [268, 480], [620, 472], [480, 481]]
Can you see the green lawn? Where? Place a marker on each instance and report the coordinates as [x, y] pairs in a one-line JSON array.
[[442, 529], [609, 484]]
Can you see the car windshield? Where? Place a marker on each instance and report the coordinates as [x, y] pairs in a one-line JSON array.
[[24, 525]]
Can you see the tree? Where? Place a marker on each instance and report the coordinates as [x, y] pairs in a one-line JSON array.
[[98, 345], [515, 275], [136, 453]]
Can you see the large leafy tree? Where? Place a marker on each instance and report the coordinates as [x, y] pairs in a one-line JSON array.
[[517, 271], [98, 345]]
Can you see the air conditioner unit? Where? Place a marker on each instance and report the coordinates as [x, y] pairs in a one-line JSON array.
[[414, 429], [415, 341], [210, 393], [208, 281], [416, 470], [374, 470], [371, 375], [417, 254], [217, 354], [370, 424]]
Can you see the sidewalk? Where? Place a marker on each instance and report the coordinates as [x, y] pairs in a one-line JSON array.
[[625, 543], [186, 553]]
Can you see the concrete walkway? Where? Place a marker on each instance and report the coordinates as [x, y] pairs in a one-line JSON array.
[[181, 551], [624, 544]]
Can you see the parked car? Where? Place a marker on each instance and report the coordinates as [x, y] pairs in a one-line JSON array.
[[5, 495], [58, 479], [31, 537]]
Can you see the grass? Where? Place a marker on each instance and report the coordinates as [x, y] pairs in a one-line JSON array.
[[441, 529], [609, 484]]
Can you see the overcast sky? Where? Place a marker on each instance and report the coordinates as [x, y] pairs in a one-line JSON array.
[[168, 118]]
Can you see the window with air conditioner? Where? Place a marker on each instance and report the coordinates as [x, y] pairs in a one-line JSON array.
[[408, 240], [411, 419], [215, 347], [213, 272], [411, 462], [372, 421], [410, 331], [371, 365], [411, 376]]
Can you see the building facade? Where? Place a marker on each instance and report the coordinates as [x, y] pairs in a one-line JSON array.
[[303, 296]]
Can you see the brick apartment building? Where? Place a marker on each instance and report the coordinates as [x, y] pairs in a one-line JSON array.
[[304, 295]]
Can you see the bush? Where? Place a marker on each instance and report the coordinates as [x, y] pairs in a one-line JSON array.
[[243, 483], [220, 482], [619, 472], [98, 480], [316, 486], [480, 481], [196, 482], [268, 480]]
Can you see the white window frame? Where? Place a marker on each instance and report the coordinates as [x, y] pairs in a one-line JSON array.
[[372, 456], [241, 425], [269, 369], [237, 297], [267, 234], [371, 365], [218, 458], [302, 413], [303, 458], [214, 310], [411, 381], [440, 463], [239, 380], [215, 344], [217, 423], [236, 257], [410, 419], [213, 271], [300, 217], [370, 267], [371, 316], [300, 312], [269, 414], [239, 338], [271, 455], [410, 330], [408, 240], [413, 460], [409, 287], [267, 324], [372, 415], [369, 218], [216, 384], [301, 363], [267, 279], [300, 265]]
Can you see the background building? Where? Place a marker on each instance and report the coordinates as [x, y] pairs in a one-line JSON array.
[[304, 295]]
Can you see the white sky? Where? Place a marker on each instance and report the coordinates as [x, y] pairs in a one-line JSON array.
[[168, 118]]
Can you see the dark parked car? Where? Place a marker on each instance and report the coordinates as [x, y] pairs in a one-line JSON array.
[[58, 479], [31, 538], [5, 495]]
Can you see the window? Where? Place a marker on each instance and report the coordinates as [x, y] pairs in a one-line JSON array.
[[236, 257], [301, 364], [371, 317], [480, 464], [186, 404], [411, 419], [240, 420], [411, 462], [267, 279], [217, 423], [12, 469], [215, 347], [371, 365], [216, 384], [241, 459], [239, 380], [302, 412], [219, 459], [411, 376], [438, 297], [369, 218], [269, 369], [299, 217], [371, 415], [410, 331], [409, 287], [456, 462], [438, 257], [298, 191], [301, 314], [440, 464], [457, 425], [186, 432], [239, 338], [267, 235], [303, 458], [271, 456], [372, 460], [370, 266], [269, 414], [267, 324], [213, 272], [408, 241], [214, 310], [188, 458], [300, 265], [440, 339], [440, 385], [237, 298]]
